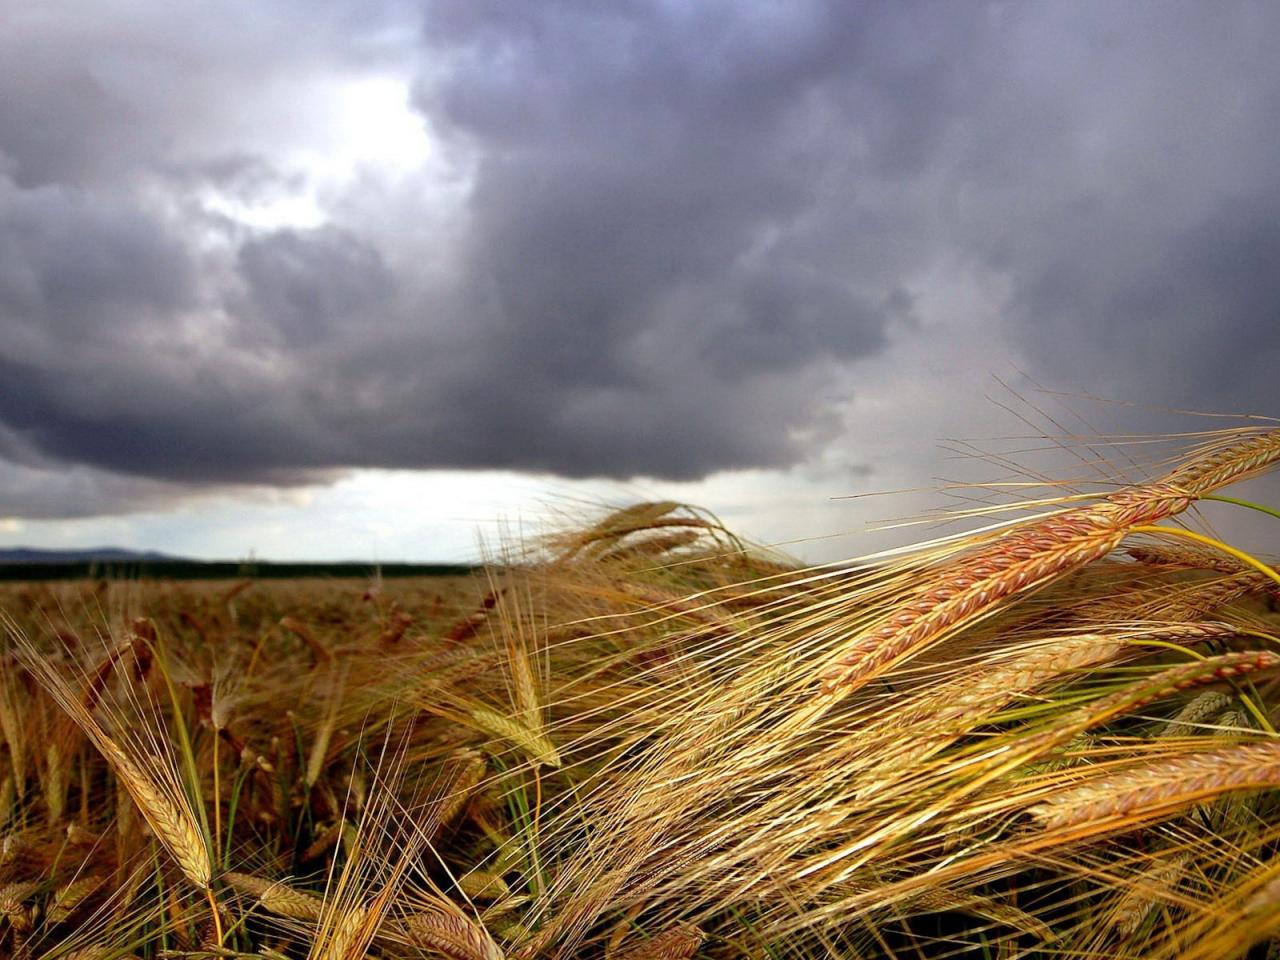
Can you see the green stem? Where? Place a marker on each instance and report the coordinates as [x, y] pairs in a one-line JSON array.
[[184, 744], [234, 802], [1270, 511]]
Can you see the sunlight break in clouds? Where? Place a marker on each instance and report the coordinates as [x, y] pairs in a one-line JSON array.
[[372, 127]]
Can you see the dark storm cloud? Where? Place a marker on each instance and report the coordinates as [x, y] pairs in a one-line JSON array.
[[678, 231], [1132, 199]]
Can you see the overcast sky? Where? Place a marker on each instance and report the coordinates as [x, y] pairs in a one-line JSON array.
[[343, 279]]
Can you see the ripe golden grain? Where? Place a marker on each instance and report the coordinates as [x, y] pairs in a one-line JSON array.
[[1023, 559], [345, 937], [536, 744], [483, 885], [174, 828], [463, 773]]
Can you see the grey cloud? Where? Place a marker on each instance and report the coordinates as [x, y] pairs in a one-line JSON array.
[[681, 230], [1191, 321], [1137, 222], [61, 492], [111, 95], [77, 267], [312, 287]]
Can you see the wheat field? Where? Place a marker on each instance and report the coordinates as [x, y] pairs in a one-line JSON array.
[[641, 737]]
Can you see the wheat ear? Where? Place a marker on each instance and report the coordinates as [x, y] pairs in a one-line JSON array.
[[1031, 555], [677, 942], [1023, 559], [453, 935], [944, 899], [1162, 786], [1233, 461], [466, 768], [1198, 709], [347, 936], [1057, 657], [13, 897], [173, 824], [278, 897], [1143, 897], [483, 885], [535, 743], [69, 897]]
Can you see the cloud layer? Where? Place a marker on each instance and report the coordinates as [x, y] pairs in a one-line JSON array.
[[642, 239]]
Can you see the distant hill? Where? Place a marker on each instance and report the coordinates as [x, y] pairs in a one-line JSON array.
[[114, 563], [84, 555]]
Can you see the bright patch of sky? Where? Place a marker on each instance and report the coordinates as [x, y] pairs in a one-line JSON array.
[[370, 127]]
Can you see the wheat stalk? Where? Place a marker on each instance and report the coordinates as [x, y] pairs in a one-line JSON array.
[[345, 935], [956, 707], [483, 885], [1022, 559], [11, 725], [462, 773], [1189, 558], [54, 781], [1235, 460], [944, 899], [533, 742], [8, 794], [319, 753], [163, 803], [174, 826], [1184, 676], [1204, 598], [325, 839], [13, 897], [1058, 657]]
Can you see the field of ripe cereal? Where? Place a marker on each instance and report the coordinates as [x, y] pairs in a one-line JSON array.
[[643, 738]]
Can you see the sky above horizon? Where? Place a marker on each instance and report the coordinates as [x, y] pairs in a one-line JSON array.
[[393, 279]]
